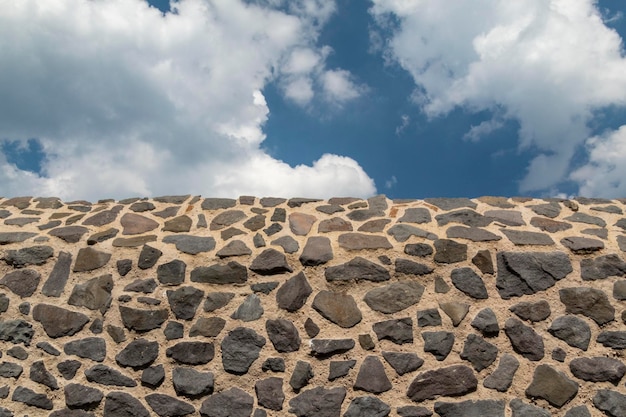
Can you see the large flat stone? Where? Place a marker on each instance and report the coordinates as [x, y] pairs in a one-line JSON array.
[[452, 381], [551, 385]]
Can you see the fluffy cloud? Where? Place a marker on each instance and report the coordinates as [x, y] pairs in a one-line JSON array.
[[128, 101], [547, 64]]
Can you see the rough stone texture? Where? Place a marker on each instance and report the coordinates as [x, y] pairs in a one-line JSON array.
[[283, 335], [93, 348], [328, 347], [372, 377], [589, 302], [502, 378], [95, 294], [480, 408], [191, 353], [486, 322], [240, 348], [317, 251], [318, 402], [249, 310], [339, 308], [598, 369], [479, 352], [192, 383], [292, 295], [533, 312], [355, 270], [399, 331], [394, 297], [551, 385], [438, 343], [269, 393], [82, 396], [167, 406], [22, 282], [367, 407], [524, 273], [270, 262], [232, 402], [452, 381], [402, 362], [612, 403], [524, 339], [121, 404], [191, 245], [572, 330], [522, 409], [469, 282], [105, 375], [231, 273], [184, 301], [138, 354], [301, 375], [448, 251], [89, 259], [57, 321]]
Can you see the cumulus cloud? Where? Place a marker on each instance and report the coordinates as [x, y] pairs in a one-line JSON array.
[[125, 100], [548, 64]]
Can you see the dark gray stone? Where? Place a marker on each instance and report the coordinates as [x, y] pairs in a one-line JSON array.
[[551, 385], [405, 266], [602, 267], [171, 273], [264, 287], [449, 251], [191, 383], [191, 245], [292, 295], [506, 217], [339, 308], [598, 369], [102, 218], [377, 226], [317, 251], [417, 215], [551, 210], [402, 232], [548, 225], [145, 286], [283, 335], [479, 408], [438, 343], [4, 303], [428, 317], [418, 249], [255, 223], [288, 243], [166, 406], [582, 245], [142, 320], [22, 282], [240, 348], [327, 347], [451, 381], [521, 409], [89, 259], [68, 368], [105, 375], [226, 218], [468, 281], [367, 407], [414, 411], [269, 393], [148, 257], [301, 375], [216, 300], [451, 203], [184, 301], [174, 330], [95, 294], [398, 331], [559, 354], [522, 238], [207, 327], [93, 348], [82, 396], [403, 362], [338, 369], [124, 266], [502, 378], [613, 339], [589, 302], [10, 370], [580, 411], [142, 206], [534, 312], [372, 377], [17, 352], [48, 348], [218, 203], [231, 273], [366, 341], [479, 352], [232, 402], [57, 321], [153, 376], [318, 402], [55, 284], [360, 241], [524, 339], [249, 310], [34, 255], [234, 248], [16, 331], [355, 270], [464, 216], [274, 365], [138, 354], [116, 333], [483, 261], [39, 374], [486, 322], [70, 234], [612, 403], [192, 353], [619, 290], [180, 224], [121, 404], [475, 234], [586, 218], [32, 398], [102, 236], [15, 237], [572, 330], [270, 262], [394, 297]]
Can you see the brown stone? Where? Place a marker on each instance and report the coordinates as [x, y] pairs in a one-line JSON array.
[[339, 308], [301, 224], [136, 224]]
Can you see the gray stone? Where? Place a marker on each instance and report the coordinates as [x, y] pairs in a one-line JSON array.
[[551, 385], [22, 282], [582, 245], [288, 243], [142, 206], [226, 218], [301, 375], [548, 225], [456, 311], [502, 378], [398, 331], [191, 245], [142, 320], [116, 333], [551, 210], [283, 335], [367, 407], [255, 223], [572, 330], [612, 403], [327, 347], [15, 237], [70, 234], [191, 383], [16, 331], [89, 259], [366, 341], [330, 209], [374, 226], [438, 343], [402, 232], [372, 377], [475, 234], [274, 365], [17, 352], [232, 402], [403, 362], [301, 224], [405, 266], [464, 216], [269, 393], [4, 303], [174, 330], [192, 353], [486, 322], [216, 300], [32, 398], [580, 411], [613, 339], [55, 284], [480, 353], [335, 224], [522, 238], [121, 404], [394, 297], [48, 348], [172, 273], [102, 236], [602, 267], [619, 290], [270, 262], [449, 251], [451, 381], [428, 317], [468, 281], [68, 368], [167, 212], [586, 218], [524, 339], [483, 261], [479, 408], [231, 273], [338, 369], [135, 224], [451, 203], [249, 310], [318, 402], [148, 257], [10, 370], [240, 348], [418, 249], [360, 241], [533, 312], [39, 374], [102, 218], [357, 269], [95, 294], [153, 376], [525, 273], [166, 406], [33, 255], [234, 248], [416, 215], [207, 327], [317, 251], [178, 224], [506, 217], [184, 301], [521, 409], [57, 321], [145, 286], [414, 411], [339, 308], [133, 242], [598, 369], [138, 354], [258, 241], [105, 375], [93, 348], [82, 396], [218, 203], [589, 302]]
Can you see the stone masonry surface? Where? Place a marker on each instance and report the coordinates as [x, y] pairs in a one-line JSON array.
[[213, 307]]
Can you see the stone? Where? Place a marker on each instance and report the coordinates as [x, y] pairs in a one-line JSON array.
[[405, 266], [4, 303], [16, 331], [580, 411], [548, 225], [366, 341], [301, 224], [232, 402], [17, 352], [148, 257], [372, 377], [302, 374], [359, 241], [394, 297], [22, 282], [142, 320], [172, 273], [240, 348], [486, 322], [142, 206], [93, 348], [283, 335], [105, 375], [298, 202], [428, 317], [478, 408], [191, 353], [145, 286], [138, 354], [218, 203], [153, 376], [367, 407], [474, 234], [451, 381], [270, 262], [533, 312], [264, 287], [357, 269], [68, 368], [180, 224], [559, 354], [572, 330], [449, 251], [292, 295], [31, 398], [184, 301], [398, 331], [288, 243], [502, 378], [48, 348], [589, 302], [403, 362], [551, 385], [374, 226], [70, 234], [522, 238], [612, 403], [133, 242], [94, 294], [166, 406], [438, 343], [402, 232], [525, 273], [50, 225], [121, 404], [249, 310], [418, 249], [338, 369], [480, 353], [258, 241], [451, 203], [586, 218], [15, 237], [339, 308], [456, 311], [226, 218], [335, 224], [255, 223], [551, 210], [602, 267], [413, 411], [317, 251], [330, 209], [464, 216], [136, 224], [57, 321], [39, 374], [524, 339], [311, 328], [274, 365], [191, 245], [89, 259], [598, 369], [82, 396], [269, 393], [613, 339], [216, 300], [582, 245], [10, 370], [441, 287], [619, 290], [416, 215], [521, 409], [55, 284], [102, 218], [33, 255], [116, 333], [192, 383], [506, 217], [231, 273], [234, 248], [323, 348], [468, 282], [102, 236], [318, 402]]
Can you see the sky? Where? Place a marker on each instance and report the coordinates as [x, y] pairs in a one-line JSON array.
[[314, 98]]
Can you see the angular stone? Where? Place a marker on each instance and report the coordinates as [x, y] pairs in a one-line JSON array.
[[148, 257], [55, 284], [548, 225], [524, 339], [57, 321], [394, 297], [367, 407], [598, 369], [357, 269], [82, 396], [522, 238], [402, 232], [31, 398], [136, 224], [70, 234], [359, 241], [22, 282], [105, 375], [580, 411], [93, 348], [339, 308], [451, 203], [89, 259], [249, 310], [551, 210], [95, 294], [68, 368], [191, 383], [418, 249], [428, 317], [318, 402], [217, 300], [338, 369], [274, 365], [133, 242], [218, 203], [533, 312], [586, 218], [474, 234], [207, 327], [231, 273], [142, 206], [438, 343], [102, 218], [283, 335], [451, 381], [479, 408], [317, 251], [33, 255], [582, 245], [589, 302], [234, 248], [398, 331], [240, 348], [551, 385], [330, 209], [525, 273], [403, 362], [39, 374], [506, 217], [502, 378], [15, 237], [601, 233], [191, 245], [232, 402], [468, 282], [464, 216], [301, 224], [327, 347], [449, 251], [10, 370], [298, 202], [372, 377], [602, 267], [17, 352], [302, 374], [456, 311], [335, 224], [48, 348], [191, 353], [166, 406], [292, 295], [102, 236], [613, 339], [142, 320], [479, 352], [612, 403], [269, 393], [405, 266], [138, 354], [270, 262], [172, 273], [145, 286], [178, 224], [184, 301], [521, 409], [416, 215], [288, 243], [226, 218], [121, 404]]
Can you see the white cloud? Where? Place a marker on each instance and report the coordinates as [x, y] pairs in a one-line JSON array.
[[483, 129], [546, 63], [391, 182], [128, 101], [339, 86], [406, 119]]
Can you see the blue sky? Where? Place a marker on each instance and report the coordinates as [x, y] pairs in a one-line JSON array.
[[313, 98]]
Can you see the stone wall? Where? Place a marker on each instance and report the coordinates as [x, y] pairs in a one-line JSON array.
[[181, 305]]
